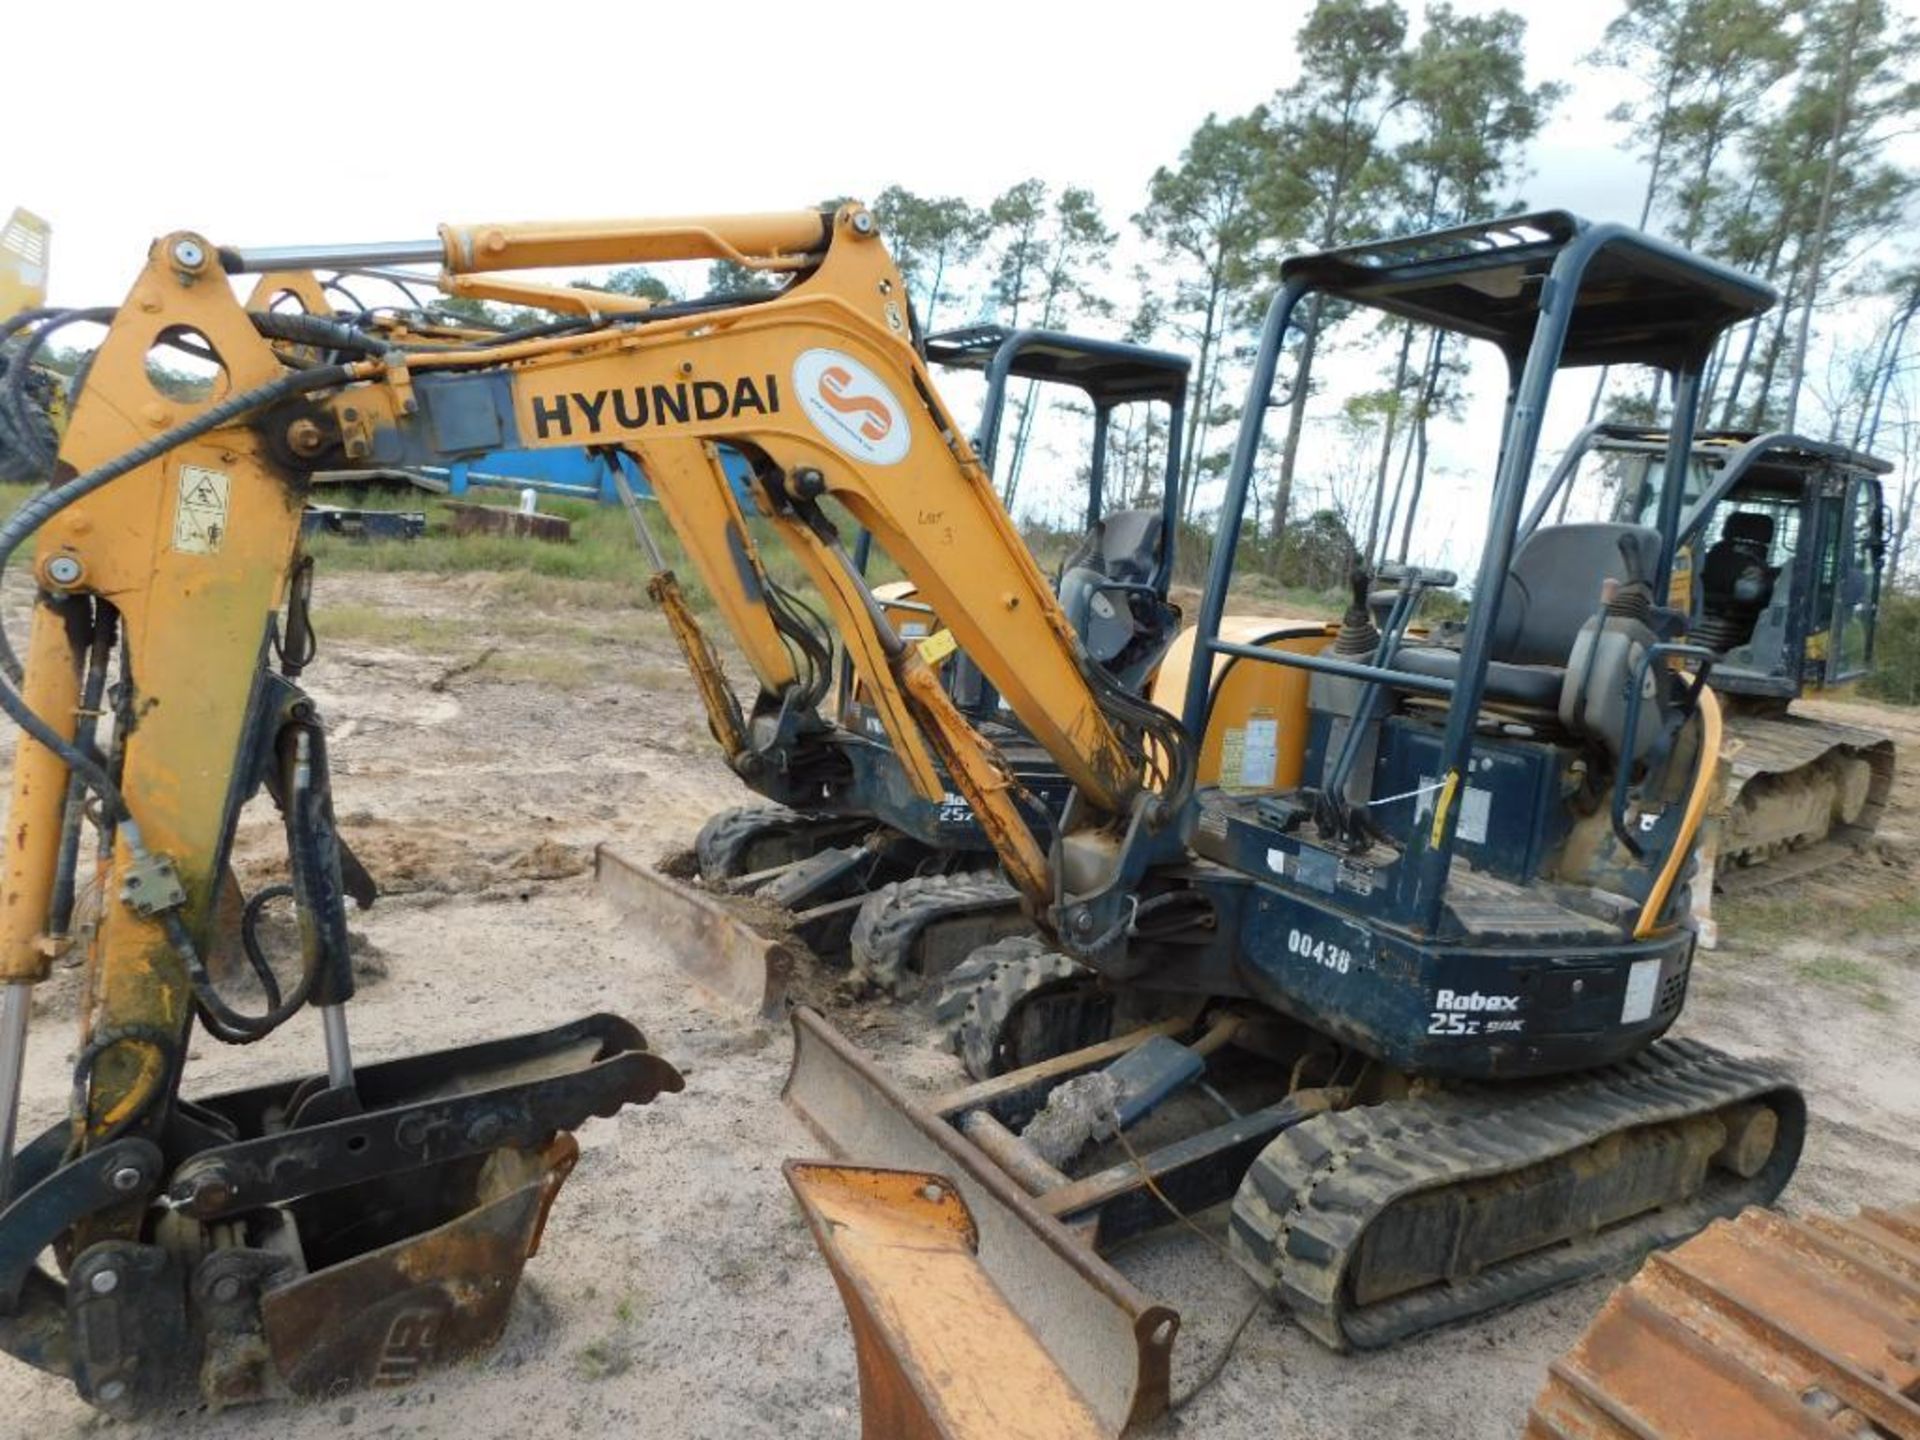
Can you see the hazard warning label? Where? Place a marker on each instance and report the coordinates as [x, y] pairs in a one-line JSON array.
[[200, 517]]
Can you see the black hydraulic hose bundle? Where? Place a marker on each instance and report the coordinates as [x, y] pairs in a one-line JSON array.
[[1151, 736], [17, 418], [808, 641], [317, 331], [316, 893]]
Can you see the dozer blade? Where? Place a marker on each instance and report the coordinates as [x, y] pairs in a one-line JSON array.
[[1760, 1327], [721, 952], [1111, 1343], [942, 1355]]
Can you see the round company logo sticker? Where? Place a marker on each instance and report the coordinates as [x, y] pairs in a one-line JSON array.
[[851, 406]]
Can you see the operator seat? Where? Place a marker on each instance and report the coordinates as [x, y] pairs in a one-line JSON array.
[[1552, 589], [1105, 586], [1106, 589], [1736, 583]]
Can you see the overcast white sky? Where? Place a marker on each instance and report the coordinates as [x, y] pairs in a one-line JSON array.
[[266, 124], [270, 124]]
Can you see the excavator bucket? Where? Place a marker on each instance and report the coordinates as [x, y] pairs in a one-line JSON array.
[[942, 1354], [721, 952], [1762, 1327], [364, 1233], [1111, 1345]]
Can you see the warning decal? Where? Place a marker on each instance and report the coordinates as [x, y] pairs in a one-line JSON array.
[[200, 516]]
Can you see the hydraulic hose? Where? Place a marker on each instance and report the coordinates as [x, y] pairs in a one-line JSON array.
[[25, 521], [225, 1023], [15, 398], [326, 975], [315, 330]]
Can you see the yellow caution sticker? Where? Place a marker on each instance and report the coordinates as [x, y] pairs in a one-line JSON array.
[[937, 647], [200, 513]]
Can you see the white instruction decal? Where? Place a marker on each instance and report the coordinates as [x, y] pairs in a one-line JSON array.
[[1260, 753], [200, 515], [851, 406], [1643, 982], [1476, 808]]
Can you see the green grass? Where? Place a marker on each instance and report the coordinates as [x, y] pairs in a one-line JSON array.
[[1850, 975], [570, 669], [600, 569], [1756, 914], [1806, 911], [374, 625], [1889, 917], [601, 550], [1262, 594], [1849, 963], [603, 1359]]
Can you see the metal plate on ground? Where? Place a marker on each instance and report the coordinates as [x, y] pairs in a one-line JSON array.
[[1760, 1327], [1112, 1343], [721, 952]]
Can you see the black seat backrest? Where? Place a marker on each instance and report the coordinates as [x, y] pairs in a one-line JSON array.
[[1553, 586], [1750, 530], [1736, 583], [1122, 545], [1130, 545], [1122, 548]]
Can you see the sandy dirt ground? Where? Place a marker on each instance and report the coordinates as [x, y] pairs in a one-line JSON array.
[[678, 1293]]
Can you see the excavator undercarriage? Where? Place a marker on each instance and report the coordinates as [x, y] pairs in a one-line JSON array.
[[1802, 793]]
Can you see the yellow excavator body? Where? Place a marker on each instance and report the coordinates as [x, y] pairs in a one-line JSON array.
[[24, 246]]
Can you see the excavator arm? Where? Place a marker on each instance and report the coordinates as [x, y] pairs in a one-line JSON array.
[[295, 1237], [821, 388]]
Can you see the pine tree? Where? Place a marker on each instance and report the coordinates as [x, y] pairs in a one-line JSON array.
[[931, 237], [1201, 214], [1330, 171]]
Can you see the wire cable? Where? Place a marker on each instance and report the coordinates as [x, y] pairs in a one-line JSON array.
[[1215, 1367]]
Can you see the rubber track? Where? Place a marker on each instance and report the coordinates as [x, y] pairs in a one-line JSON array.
[[892, 919], [983, 991], [727, 834], [1305, 1206]]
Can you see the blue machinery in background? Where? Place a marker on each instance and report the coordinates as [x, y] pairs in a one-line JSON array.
[[576, 474]]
